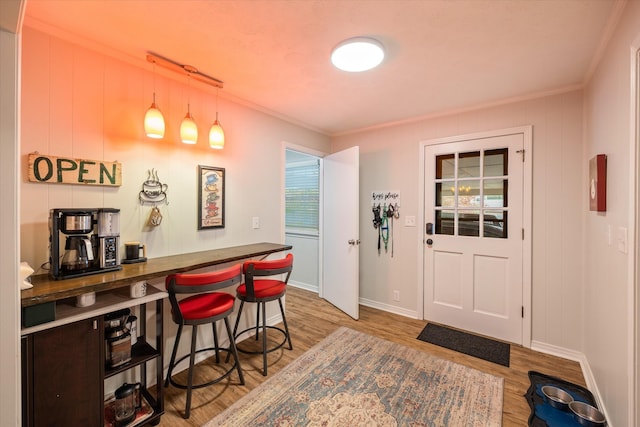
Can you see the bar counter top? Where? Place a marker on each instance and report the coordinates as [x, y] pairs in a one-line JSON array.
[[46, 289]]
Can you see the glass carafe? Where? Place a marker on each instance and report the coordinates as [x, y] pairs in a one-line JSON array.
[[126, 403]]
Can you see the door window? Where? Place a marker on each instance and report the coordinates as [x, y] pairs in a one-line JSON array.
[[471, 193]]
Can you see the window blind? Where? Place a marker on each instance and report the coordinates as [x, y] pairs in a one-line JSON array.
[[302, 195]]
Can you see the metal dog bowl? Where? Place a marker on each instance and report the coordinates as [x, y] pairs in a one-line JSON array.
[[557, 397], [587, 415]]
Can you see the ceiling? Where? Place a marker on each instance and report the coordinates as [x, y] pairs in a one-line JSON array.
[[442, 55]]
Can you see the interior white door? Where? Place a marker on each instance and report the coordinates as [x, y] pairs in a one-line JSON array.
[[473, 278], [340, 238]]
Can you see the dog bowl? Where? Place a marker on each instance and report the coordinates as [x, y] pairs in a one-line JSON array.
[[557, 397], [586, 414]]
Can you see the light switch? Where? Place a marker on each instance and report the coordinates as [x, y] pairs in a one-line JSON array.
[[409, 221], [255, 223], [622, 239]]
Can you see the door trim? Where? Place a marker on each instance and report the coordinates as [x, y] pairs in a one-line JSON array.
[[527, 211], [283, 164], [634, 226]]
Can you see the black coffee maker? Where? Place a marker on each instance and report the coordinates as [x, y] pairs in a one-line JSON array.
[[91, 240]]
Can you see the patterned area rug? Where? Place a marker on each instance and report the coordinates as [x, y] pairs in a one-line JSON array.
[[354, 379]]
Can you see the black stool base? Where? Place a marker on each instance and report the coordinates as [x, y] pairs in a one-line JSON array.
[[269, 350], [214, 381]]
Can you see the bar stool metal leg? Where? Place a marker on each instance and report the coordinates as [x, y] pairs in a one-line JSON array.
[[173, 355], [192, 357]]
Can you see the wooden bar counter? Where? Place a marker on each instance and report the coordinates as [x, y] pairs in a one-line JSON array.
[[46, 289]]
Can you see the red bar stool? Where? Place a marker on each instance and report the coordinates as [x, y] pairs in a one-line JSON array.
[[260, 291], [205, 306]]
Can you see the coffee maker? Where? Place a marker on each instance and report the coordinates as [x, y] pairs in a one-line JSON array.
[[83, 241]]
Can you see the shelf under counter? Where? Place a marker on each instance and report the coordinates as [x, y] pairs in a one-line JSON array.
[[106, 302]]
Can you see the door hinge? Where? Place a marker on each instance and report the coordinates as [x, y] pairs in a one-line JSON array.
[[522, 312], [523, 234], [521, 152]]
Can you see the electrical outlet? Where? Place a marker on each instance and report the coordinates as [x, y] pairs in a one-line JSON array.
[[396, 295], [255, 223]]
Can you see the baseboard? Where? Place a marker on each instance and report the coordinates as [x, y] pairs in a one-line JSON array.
[[389, 308], [305, 286], [579, 357]]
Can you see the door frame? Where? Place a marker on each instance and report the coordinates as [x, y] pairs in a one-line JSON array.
[[527, 199], [283, 163], [634, 227]]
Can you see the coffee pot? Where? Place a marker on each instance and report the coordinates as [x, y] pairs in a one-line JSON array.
[[127, 401], [78, 254]]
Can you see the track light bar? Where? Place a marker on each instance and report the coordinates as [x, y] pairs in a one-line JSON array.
[[184, 69]]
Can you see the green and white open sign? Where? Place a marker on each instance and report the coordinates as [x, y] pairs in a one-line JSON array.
[[63, 170]]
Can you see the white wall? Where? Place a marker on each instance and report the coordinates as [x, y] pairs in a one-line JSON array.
[[390, 160], [306, 250], [9, 219], [608, 284]]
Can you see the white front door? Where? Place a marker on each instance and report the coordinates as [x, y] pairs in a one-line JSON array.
[[474, 235], [340, 238]]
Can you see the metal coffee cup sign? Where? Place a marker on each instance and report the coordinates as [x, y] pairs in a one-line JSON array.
[[64, 170]]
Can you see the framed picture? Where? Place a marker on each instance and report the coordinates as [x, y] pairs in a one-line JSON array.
[[598, 183], [210, 197]]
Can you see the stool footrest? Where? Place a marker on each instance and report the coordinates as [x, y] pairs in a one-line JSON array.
[[227, 373], [269, 350]]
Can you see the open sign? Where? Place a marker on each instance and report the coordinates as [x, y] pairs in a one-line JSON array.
[[62, 170]]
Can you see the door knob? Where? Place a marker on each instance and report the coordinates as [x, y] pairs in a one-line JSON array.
[[429, 242]]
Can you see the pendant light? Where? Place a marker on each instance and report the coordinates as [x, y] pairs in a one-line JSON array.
[[216, 133], [188, 127], [153, 119]]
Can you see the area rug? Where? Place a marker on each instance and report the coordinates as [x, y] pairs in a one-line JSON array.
[[354, 379], [463, 342]]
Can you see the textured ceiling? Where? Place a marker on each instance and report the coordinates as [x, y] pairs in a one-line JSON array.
[[442, 55]]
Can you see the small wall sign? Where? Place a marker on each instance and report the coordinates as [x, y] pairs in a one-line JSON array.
[[388, 197], [598, 183], [63, 170]]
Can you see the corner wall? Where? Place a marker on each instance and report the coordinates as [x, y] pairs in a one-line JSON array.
[[608, 288], [9, 220]]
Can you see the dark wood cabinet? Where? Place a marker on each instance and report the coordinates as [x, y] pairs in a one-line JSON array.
[[64, 374], [64, 367]]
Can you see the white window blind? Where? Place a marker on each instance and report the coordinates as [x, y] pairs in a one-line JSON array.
[[302, 196]]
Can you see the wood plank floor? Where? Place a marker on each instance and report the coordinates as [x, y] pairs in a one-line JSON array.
[[311, 319]]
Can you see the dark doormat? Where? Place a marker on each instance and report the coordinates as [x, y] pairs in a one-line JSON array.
[[463, 342]]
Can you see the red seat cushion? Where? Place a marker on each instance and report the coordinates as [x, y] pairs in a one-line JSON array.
[[206, 305], [263, 288]]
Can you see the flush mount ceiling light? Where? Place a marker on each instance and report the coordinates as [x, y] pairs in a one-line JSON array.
[[358, 54]]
